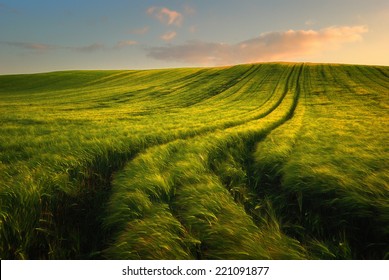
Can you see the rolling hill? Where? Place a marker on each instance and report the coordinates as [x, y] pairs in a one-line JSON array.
[[261, 161]]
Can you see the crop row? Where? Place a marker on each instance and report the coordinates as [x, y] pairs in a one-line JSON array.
[[62, 137], [267, 161]]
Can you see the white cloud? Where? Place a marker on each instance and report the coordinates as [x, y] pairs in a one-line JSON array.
[[165, 15], [266, 47]]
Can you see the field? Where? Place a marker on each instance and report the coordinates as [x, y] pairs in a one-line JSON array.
[[262, 161]]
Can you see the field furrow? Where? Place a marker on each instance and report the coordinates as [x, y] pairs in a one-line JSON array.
[[263, 161], [191, 185]]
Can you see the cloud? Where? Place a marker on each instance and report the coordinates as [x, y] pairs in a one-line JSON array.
[[310, 22], [193, 29], [101, 47], [166, 16], [188, 10], [140, 31], [266, 47], [192, 52], [30, 46], [89, 48], [126, 43], [42, 48], [168, 36]]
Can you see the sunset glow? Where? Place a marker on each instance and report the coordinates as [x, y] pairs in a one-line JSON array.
[[39, 36]]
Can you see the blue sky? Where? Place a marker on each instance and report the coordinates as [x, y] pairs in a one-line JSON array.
[[50, 35]]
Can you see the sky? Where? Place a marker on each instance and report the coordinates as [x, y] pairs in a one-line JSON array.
[[53, 35]]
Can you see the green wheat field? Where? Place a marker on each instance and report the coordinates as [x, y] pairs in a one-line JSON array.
[[262, 161]]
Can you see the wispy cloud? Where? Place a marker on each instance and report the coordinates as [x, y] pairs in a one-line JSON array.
[[43, 48], [165, 15], [266, 47], [126, 43], [188, 10], [139, 31], [193, 29], [193, 52], [310, 22], [101, 47], [169, 36], [89, 48], [30, 46]]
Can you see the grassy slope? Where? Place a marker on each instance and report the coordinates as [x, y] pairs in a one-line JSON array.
[[254, 161]]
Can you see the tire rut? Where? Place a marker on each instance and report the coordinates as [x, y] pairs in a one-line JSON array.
[[98, 186]]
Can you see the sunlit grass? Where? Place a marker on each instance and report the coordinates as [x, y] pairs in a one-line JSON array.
[[267, 161]]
